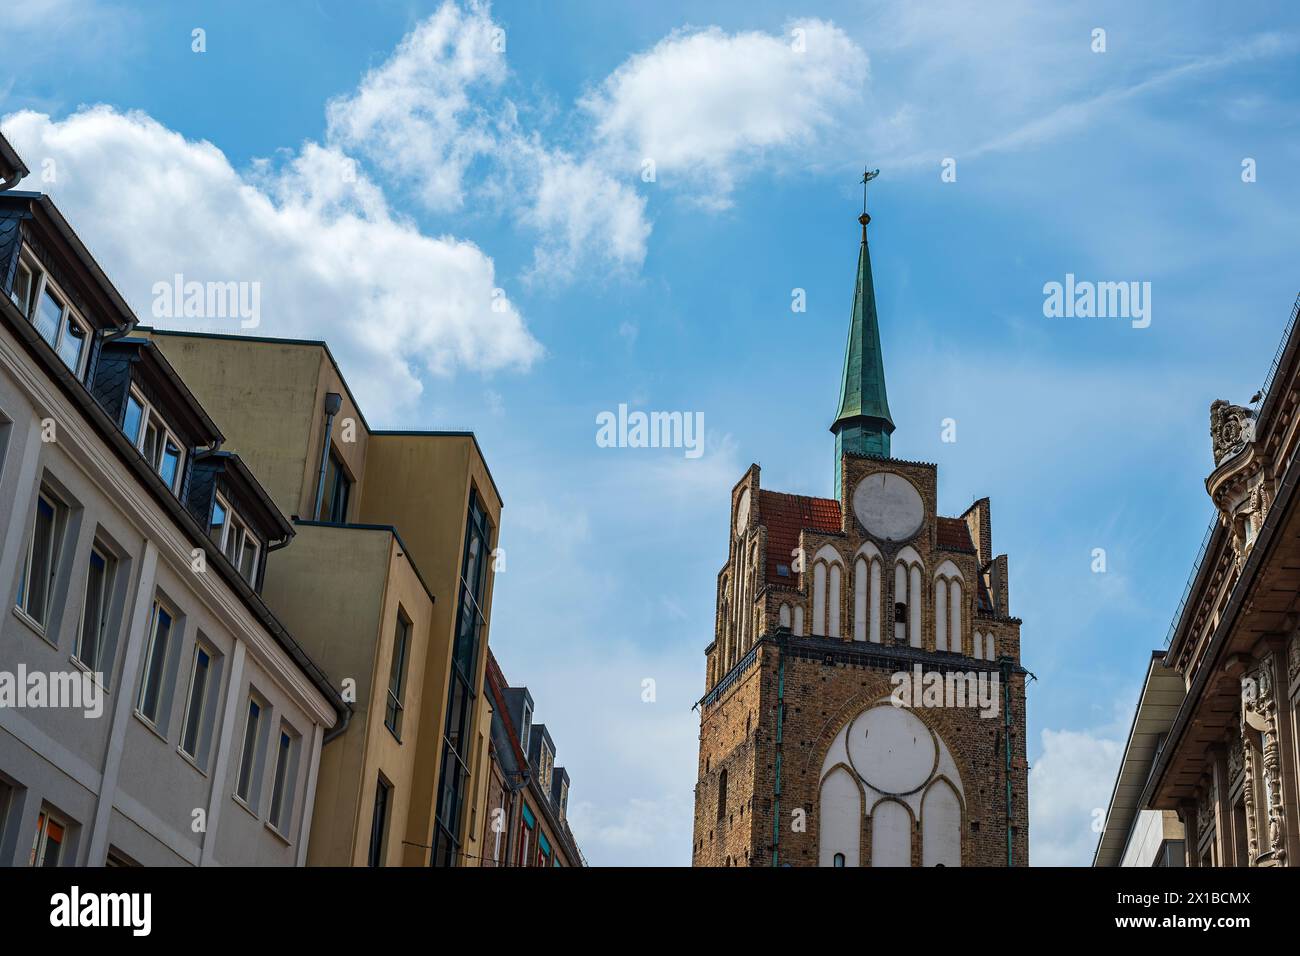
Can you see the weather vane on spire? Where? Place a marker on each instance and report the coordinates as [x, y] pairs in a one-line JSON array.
[[867, 176]]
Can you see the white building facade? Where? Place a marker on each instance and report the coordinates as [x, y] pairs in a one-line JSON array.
[[152, 710]]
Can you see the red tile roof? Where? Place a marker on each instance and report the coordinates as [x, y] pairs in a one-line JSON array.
[[953, 534], [785, 516]]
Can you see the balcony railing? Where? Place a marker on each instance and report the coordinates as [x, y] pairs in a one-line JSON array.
[[1214, 519]]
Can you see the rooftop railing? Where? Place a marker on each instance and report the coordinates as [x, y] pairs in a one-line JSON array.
[[1214, 520]]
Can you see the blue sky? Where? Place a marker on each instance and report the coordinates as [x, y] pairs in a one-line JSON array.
[[466, 221]]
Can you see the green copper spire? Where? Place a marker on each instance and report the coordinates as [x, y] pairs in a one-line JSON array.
[[863, 424]]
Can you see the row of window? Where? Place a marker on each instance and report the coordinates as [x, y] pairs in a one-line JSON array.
[[232, 535], [154, 439], [470, 623], [534, 847], [95, 648], [50, 311]]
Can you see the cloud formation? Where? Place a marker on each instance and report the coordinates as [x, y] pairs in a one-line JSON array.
[[707, 107], [334, 262]]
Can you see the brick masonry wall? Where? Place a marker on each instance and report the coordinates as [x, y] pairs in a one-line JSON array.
[[738, 728], [820, 698]]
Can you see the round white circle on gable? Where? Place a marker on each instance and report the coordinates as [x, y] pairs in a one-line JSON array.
[[742, 512], [892, 750], [889, 506]]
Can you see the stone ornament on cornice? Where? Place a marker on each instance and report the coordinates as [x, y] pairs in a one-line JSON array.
[[1232, 428]]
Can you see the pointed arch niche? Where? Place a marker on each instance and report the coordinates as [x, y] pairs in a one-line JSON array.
[[828, 577], [885, 770], [867, 566]]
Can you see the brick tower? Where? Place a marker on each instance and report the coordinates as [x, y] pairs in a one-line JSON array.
[[864, 701]]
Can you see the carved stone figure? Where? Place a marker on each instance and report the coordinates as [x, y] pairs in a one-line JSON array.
[[1232, 428], [1236, 761]]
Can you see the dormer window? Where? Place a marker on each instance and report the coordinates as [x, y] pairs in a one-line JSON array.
[[528, 726], [154, 439], [49, 310], [237, 543]]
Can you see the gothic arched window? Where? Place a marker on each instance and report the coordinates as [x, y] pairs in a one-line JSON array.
[[907, 598], [947, 609], [827, 592], [866, 594]]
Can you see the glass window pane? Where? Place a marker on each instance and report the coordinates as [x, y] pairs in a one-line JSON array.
[[132, 419], [152, 689], [22, 290], [49, 316], [73, 343], [152, 444], [42, 562], [250, 748], [397, 674], [233, 542], [281, 770], [169, 466], [377, 824], [248, 560], [54, 833], [92, 616], [337, 488], [198, 698], [218, 521]]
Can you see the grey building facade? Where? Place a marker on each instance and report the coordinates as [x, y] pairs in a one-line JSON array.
[[152, 709]]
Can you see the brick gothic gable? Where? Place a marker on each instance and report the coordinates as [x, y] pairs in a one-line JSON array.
[[825, 606]]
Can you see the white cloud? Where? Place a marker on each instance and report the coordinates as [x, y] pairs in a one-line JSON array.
[[332, 260], [1072, 778], [436, 111], [579, 208], [706, 106], [413, 117]]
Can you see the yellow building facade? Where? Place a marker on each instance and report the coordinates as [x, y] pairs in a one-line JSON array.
[[388, 581]]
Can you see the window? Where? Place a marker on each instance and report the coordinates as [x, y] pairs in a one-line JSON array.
[[839, 859], [240, 546], [282, 788], [21, 294], [470, 621], [338, 488], [866, 595], [133, 418], [526, 824], [36, 588], [192, 738], [543, 850], [564, 798], [722, 794], [217, 528], [397, 675], [116, 858], [245, 786], [51, 835], [92, 639], [528, 726], [152, 437], [907, 599], [161, 623], [379, 823], [49, 311]]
